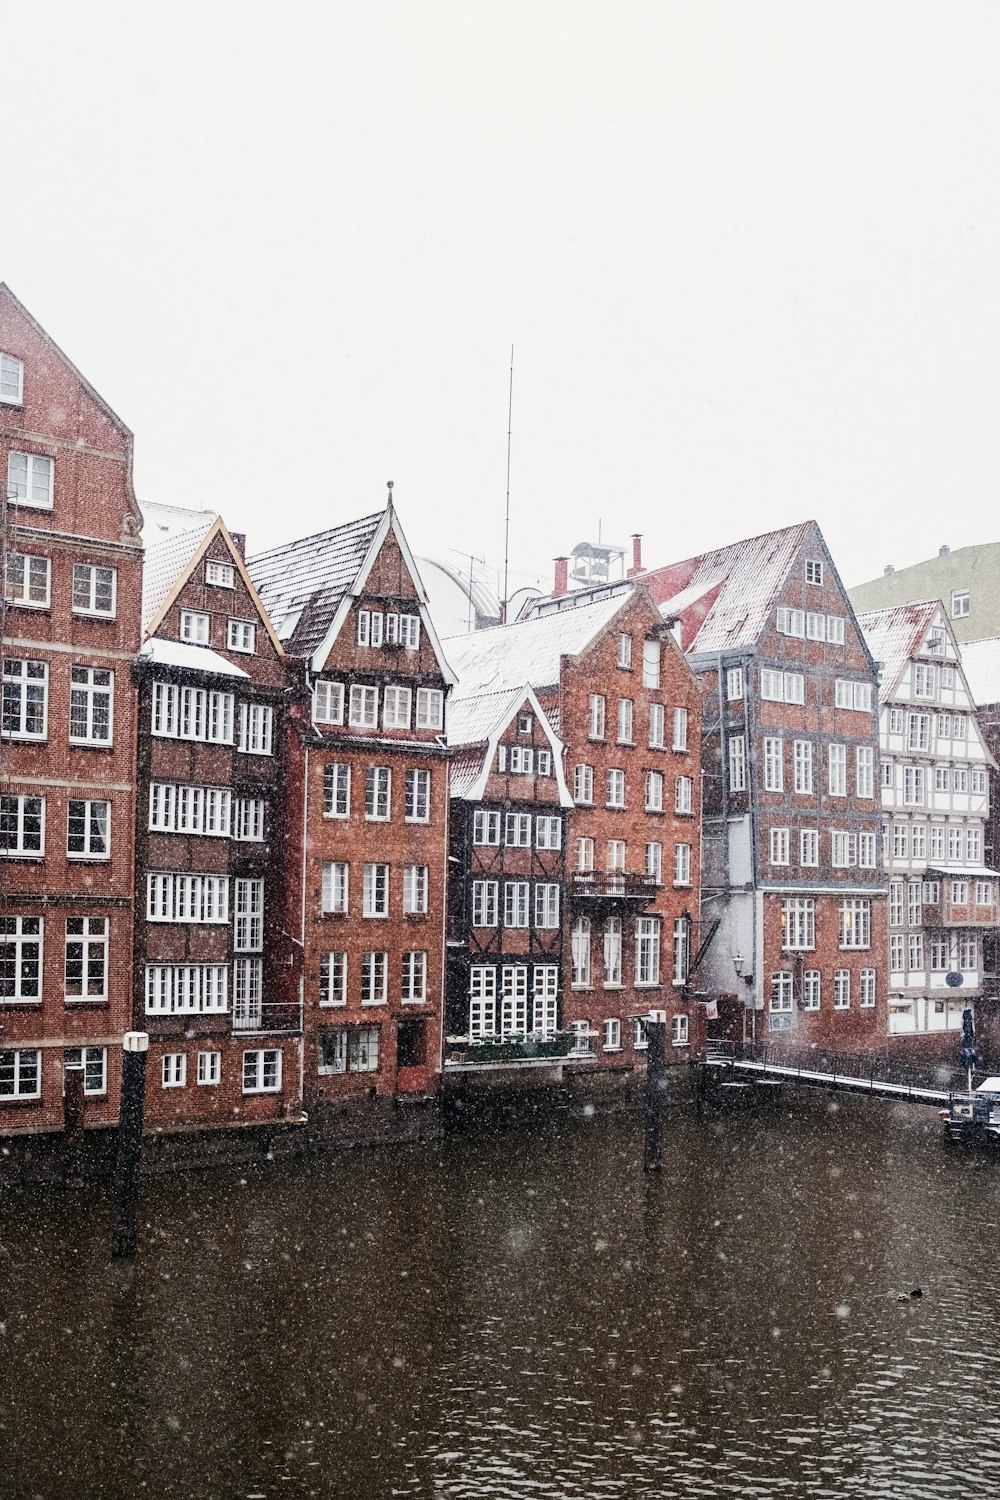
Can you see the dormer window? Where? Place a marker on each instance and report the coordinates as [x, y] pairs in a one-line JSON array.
[[814, 570], [524, 723], [194, 627], [221, 574], [11, 380], [961, 604]]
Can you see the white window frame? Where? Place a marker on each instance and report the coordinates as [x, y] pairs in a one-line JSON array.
[[195, 627], [415, 890], [22, 825], [30, 480], [25, 690], [94, 698], [241, 635], [333, 977], [86, 944], [417, 808], [221, 575], [337, 789], [328, 702], [378, 794], [375, 899], [209, 1069], [173, 1070], [397, 704], [363, 706], [96, 837], [94, 579], [33, 590], [413, 980], [262, 1070], [11, 379], [335, 890], [430, 708]]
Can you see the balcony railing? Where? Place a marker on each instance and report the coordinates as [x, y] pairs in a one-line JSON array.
[[613, 885], [497, 1051], [268, 1017]]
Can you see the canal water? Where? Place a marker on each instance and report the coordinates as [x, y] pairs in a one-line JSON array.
[[519, 1312]]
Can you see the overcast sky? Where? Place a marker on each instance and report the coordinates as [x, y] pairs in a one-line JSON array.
[[747, 255]]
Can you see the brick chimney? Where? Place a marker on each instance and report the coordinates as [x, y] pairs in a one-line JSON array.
[[562, 576], [636, 554]]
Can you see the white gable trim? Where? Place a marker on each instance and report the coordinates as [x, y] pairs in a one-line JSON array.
[[388, 522], [522, 696]]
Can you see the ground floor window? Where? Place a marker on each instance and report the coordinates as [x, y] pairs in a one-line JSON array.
[[611, 1035], [209, 1067], [581, 1038], [94, 1063], [174, 1070], [262, 1071], [21, 1074], [349, 1049], [679, 1031]]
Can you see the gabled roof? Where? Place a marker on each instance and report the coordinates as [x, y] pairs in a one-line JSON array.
[[311, 584], [165, 560], [736, 588], [893, 635], [505, 657], [981, 665], [94, 395], [480, 722], [312, 575], [192, 547]]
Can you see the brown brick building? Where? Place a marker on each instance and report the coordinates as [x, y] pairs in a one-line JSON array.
[[72, 564], [367, 767], [626, 707], [793, 873], [211, 955]]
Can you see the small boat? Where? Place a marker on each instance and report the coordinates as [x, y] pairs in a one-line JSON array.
[[974, 1116]]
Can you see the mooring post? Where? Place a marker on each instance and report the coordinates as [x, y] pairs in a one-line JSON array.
[[72, 1122], [128, 1160], [656, 1027]]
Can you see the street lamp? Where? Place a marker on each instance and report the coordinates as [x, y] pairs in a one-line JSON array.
[[739, 964]]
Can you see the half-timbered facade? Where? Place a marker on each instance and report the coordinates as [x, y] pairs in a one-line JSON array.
[[211, 956], [368, 765], [69, 633], [793, 870], [507, 887], [934, 778], [626, 707]]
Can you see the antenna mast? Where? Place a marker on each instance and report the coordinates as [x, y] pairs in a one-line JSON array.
[[506, 527]]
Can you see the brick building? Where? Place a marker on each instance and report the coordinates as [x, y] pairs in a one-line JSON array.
[[626, 707], [934, 778], [507, 879], [793, 884], [71, 621], [211, 956], [367, 766]]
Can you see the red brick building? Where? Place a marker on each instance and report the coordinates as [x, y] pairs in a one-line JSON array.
[[626, 707], [71, 621], [793, 873], [211, 957], [507, 881], [367, 769]]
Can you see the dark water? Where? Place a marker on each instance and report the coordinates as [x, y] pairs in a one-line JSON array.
[[520, 1313]]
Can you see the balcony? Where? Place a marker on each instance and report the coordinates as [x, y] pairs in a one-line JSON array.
[[272, 1018], [468, 1055], [612, 888]]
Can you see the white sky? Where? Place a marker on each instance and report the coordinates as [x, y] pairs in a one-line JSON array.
[[747, 255]]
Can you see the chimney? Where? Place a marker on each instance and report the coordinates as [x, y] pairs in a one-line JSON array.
[[943, 551], [887, 570], [636, 554], [562, 576], [240, 543]]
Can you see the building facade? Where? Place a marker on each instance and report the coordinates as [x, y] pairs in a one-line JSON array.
[[507, 879], [966, 581], [934, 778], [793, 884], [71, 622], [626, 708], [211, 956], [367, 764]]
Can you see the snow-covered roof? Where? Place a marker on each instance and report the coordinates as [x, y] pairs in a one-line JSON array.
[[164, 653], [312, 575], [505, 657], [981, 664], [471, 721], [164, 560], [745, 579], [475, 726], [893, 635]]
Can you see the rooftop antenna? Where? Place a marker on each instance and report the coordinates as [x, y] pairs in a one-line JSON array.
[[472, 559], [506, 528]]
